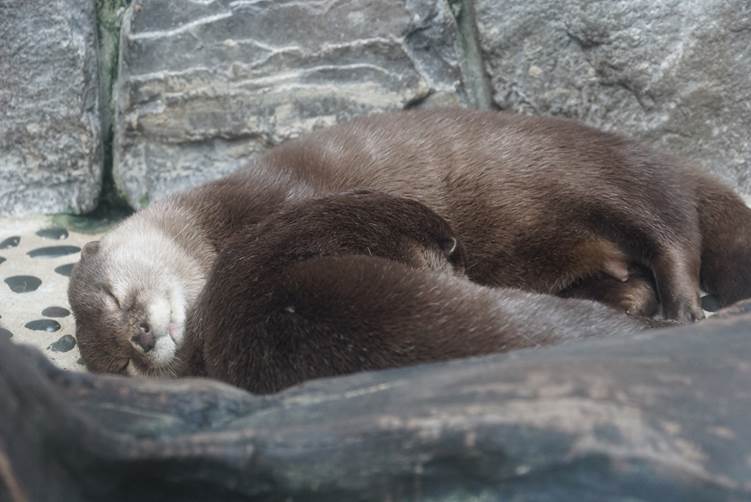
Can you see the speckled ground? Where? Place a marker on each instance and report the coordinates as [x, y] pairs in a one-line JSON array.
[[36, 256]]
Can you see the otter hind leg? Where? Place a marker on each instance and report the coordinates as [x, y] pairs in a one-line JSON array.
[[597, 266], [635, 295], [676, 273], [570, 264]]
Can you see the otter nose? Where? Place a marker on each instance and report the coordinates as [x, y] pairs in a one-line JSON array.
[[145, 339]]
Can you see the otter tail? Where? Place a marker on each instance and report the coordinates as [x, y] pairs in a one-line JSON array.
[[725, 223]]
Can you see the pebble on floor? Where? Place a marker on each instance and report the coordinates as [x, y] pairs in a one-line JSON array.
[[36, 258]]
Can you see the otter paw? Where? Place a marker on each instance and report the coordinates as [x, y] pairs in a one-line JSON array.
[[684, 312]]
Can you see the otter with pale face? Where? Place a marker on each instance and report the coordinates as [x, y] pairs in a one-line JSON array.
[[541, 204], [131, 302]]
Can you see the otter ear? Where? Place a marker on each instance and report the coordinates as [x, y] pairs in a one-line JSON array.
[[449, 246], [90, 249]]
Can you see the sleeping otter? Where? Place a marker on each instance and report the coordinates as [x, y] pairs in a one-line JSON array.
[[541, 204], [357, 282]]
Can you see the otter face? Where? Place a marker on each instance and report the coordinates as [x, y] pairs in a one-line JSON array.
[[130, 309]]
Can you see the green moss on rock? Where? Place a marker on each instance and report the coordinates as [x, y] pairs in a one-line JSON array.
[[109, 20]]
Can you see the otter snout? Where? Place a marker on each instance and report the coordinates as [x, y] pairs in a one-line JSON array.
[[145, 340]]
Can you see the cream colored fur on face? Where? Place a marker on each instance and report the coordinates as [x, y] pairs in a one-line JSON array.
[[143, 259]]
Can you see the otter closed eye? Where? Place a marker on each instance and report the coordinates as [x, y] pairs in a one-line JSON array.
[[111, 296]]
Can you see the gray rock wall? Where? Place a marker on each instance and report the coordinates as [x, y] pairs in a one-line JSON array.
[[671, 72], [204, 86], [50, 155]]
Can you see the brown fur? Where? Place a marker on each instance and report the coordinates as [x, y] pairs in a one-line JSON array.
[[525, 194], [541, 204], [331, 286], [634, 295]]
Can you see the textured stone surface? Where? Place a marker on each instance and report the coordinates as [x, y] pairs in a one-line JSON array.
[[47, 325], [23, 283], [56, 312], [671, 72], [657, 417], [64, 344], [53, 251], [34, 307], [50, 155], [53, 233], [205, 85], [10, 242]]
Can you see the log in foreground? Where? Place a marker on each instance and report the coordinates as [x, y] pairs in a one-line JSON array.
[[658, 416]]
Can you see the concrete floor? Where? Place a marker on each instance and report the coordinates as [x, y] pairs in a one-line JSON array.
[[36, 255]]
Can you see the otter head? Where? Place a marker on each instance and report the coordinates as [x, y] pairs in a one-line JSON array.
[[130, 294], [404, 230], [359, 222]]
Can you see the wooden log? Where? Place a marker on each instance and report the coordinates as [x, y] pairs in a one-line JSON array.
[[661, 416]]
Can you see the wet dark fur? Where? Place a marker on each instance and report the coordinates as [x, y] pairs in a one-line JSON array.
[[539, 203], [337, 285]]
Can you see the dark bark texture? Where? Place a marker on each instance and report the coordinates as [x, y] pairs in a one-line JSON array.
[[658, 416]]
